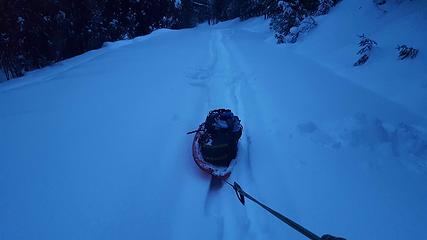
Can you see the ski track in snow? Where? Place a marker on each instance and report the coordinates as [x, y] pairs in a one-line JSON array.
[[225, 85], [223, 80]]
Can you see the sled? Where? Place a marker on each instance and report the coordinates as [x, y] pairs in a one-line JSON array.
[[216, 171]]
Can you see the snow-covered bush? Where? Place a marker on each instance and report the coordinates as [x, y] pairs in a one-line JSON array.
[[325, 6], [366, 45], [293, 17], [306, 25], [283, 21], [405, 52]]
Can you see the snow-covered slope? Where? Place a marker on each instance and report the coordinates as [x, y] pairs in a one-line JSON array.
[[398, 22], [95, 147]]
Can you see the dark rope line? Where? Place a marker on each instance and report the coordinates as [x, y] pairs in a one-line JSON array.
[[241, 196]]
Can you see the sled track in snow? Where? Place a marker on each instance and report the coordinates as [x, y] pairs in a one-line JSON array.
[[222, 80]]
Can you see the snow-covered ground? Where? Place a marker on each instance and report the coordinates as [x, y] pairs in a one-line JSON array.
[[334, 45], [94, 147]]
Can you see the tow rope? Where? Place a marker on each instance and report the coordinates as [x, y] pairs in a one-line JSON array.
[[241, 196]]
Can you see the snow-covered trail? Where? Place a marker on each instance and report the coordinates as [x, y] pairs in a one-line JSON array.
[[96, 147]]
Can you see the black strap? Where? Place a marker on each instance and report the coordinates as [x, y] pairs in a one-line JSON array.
[[242, 194]]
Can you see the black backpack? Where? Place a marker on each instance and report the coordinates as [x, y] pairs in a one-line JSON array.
[[220, 134]]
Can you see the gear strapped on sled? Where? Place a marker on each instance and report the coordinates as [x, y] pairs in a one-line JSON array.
[[215, 143], [222, 131]]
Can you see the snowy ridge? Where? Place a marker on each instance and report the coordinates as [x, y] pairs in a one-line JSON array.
[[55, 71]]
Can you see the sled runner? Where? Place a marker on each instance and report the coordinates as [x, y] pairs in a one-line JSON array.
[[215, 143]]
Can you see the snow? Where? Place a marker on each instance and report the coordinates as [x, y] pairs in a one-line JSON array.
[[395, 23], [95, 147]]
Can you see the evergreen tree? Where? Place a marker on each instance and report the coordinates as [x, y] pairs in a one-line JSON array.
[[366, 46], [291, 18], [187, 16], [34, 34]]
